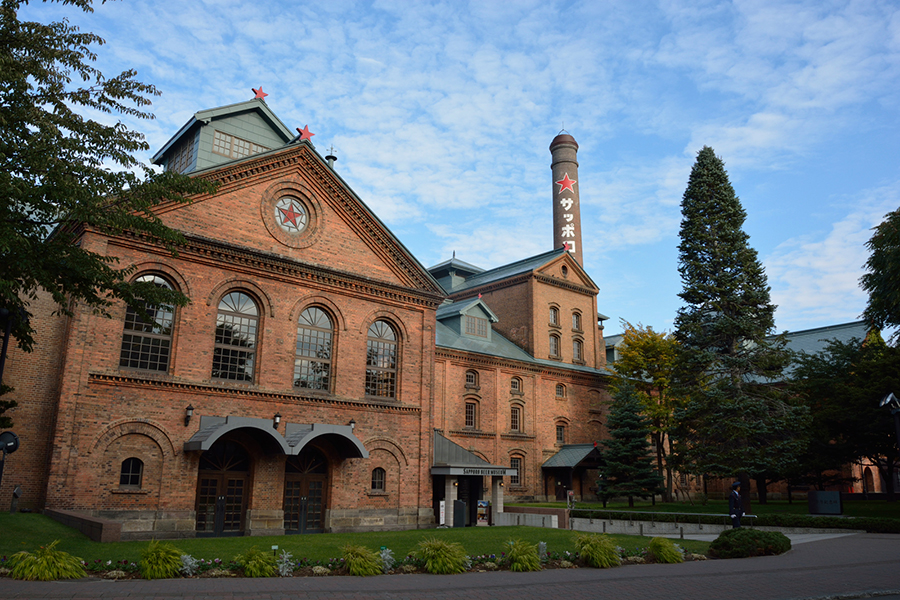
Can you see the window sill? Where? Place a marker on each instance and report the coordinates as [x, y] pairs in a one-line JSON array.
[[554, 326], [556, 358], [516, 393], [375, 494], [574, 330], [473, 386], [136, 492]]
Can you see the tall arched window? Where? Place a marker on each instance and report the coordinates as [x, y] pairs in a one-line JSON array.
[[378, 477], [148, 345], [381, 361], [236, 329], [554, 345], [576, 321], [515, 418], [312, 364], [518, 479], [577, 350], [554, 315], [471, 415]]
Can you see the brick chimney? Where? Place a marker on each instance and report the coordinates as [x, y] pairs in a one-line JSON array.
[[566, 203]]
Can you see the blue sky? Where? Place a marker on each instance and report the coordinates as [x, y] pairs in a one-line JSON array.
[[441, 115]]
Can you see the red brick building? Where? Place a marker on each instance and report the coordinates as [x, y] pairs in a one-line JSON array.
[[319, 380]]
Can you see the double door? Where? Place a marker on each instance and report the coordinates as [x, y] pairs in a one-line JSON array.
[[305, 479]]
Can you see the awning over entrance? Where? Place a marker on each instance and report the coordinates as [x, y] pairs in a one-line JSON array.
[[295, 438], [452, 459], [575, 455]]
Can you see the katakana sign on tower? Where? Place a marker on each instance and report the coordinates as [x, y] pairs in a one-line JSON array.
[[566, 204]]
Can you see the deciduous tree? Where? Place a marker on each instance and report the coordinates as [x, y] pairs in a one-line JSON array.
[[882, 280]]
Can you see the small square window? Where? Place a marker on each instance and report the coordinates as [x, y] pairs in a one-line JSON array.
[[560, 390], [515, 384], [378, 479], [132, 473]]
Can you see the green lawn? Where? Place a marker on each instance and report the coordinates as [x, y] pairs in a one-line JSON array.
[[29, 531], [855, 508]]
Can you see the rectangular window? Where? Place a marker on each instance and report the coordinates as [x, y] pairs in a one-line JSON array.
[[470, 415], [234, 147], [577, 350], [554, 345], [514, 419], [476, 326], [560, 434], [516, 480]]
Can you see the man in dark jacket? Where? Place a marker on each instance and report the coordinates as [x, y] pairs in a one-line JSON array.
[[735, 507]]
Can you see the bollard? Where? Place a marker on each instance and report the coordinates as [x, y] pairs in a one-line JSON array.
[[641, 525], [682, 532]]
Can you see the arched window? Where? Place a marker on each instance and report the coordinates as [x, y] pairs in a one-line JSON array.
[[578, 350], [471, 415], [132, 473], [554, 345], [236, 328], [515, 418], [471, 378], [515, 384], [312, 364], [554, 315], [381, 361], [378, 477], [560, 390], [576, 321], [518, 479], [148, 345], [560, 433]]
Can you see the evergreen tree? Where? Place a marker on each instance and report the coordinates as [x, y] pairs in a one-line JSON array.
[[882, 281], [629, 464], [62, 174], [735, 421]]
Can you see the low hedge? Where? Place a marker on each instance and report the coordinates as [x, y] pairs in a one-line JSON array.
[[869, 524]]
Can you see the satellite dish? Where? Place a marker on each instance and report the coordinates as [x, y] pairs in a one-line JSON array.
[[9, 442]]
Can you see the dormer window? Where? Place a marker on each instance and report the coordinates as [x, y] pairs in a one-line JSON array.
[[234, 147], [476, 326]]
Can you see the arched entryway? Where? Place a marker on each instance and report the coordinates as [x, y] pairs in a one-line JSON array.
[[223, 487], [305, 492]]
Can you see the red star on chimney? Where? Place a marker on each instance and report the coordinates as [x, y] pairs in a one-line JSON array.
[[260, 95], [304, 133], [566, 184]]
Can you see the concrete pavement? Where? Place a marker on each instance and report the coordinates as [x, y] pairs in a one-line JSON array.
[[850, 566]]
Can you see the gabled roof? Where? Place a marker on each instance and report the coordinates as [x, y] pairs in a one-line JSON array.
[[206, 116], [526, 265], [454, 264], [462, 307]]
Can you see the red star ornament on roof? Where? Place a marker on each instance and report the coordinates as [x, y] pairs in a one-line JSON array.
[[304, 133], [289, 215], [566, 184], [260, 95]]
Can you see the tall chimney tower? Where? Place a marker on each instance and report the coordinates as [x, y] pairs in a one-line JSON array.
[[566, 203]]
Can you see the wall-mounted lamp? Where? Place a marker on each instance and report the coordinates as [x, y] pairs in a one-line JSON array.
[[352, 424], [501, 484], [276, 420], [455, 484], [188, 413]]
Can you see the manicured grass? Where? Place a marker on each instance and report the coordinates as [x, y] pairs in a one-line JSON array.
[[853, 508], [29, 531]]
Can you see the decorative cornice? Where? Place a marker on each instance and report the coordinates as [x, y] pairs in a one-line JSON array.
[[202, 249], [566, 285], [517, 436], [134, 381]]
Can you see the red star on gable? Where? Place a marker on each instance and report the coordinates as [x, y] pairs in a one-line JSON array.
[[260, 95], [289, 215], [566, 184], [304, 133]]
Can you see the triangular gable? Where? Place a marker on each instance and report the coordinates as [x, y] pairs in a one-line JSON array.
[[566, 270], [473, 307], [452, 459], [346, 236]]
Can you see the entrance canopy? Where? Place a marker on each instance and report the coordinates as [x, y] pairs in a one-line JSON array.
[[452, 459], [295, 438], [575, 455]]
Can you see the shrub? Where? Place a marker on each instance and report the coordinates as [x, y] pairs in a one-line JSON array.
[[742, 543], [46, 564], [442, 558], [597, 550], [361, 561], [523, 556], [387, 559], [256, 563], [285, 564], [665, 551], [160, 561], [189, 565]]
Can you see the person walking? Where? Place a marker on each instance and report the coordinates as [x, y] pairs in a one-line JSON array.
[[735, 506]]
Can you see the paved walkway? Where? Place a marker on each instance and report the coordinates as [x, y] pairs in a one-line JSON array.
[[854, 566]]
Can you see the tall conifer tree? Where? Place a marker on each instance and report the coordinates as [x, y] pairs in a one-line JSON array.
[[629, 465], [735, 420]]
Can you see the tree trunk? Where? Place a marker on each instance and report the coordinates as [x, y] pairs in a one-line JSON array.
[[744, 478], [630, 501], [762, 490]]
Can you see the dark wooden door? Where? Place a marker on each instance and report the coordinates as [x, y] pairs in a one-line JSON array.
[[305, 479], [222, 486]]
